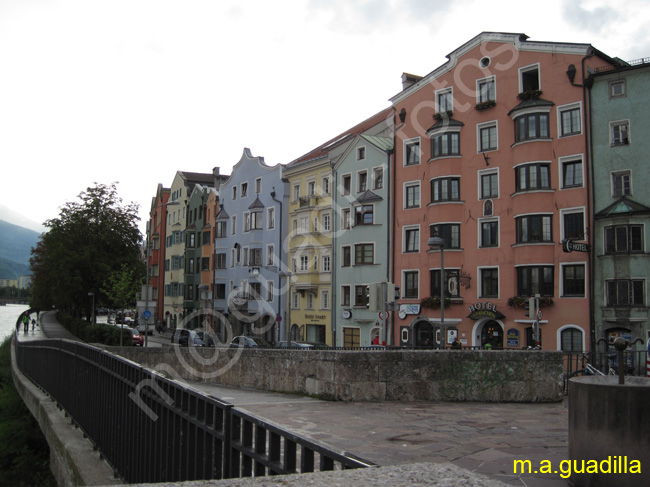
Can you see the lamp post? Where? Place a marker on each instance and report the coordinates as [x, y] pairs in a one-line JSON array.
[[436, 243], [93, 315], [148, 293]]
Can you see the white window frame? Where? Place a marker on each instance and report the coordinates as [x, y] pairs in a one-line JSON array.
[[487, 79], [530, 67], [449, 90], [565, 108], [487, 125], [311, 187], [327, 263], [376, 170], [409, 142], [488, 172], [295, 193], [234, 193], [343, 190], [412, 184], [612, 129], [295, 300], [568, 211], [346, 213], [303, 225], [327, 222], [361, 153], [247, 222], [479, 273], [258, 185], [303, 265], [359, 173], [270, 218], [614, 175], [243, 189], [233, 225], [270, 290], [480, 223], [613, 84], [568, 159], [404, 272], [270, 255], [325, 299], [406, 228], [310, 301], [561, 279], [325, 185]]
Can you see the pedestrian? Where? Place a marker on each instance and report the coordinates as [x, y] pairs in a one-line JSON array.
[[456, 344], [26, 323], [33, 324]]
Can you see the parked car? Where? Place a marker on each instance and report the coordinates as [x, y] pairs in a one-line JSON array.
[[249, 342], [318, 345], [138, 340], [205, 336], [302, 345], [187, 338]]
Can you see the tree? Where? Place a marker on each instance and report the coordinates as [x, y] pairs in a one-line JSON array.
[[90, 240], [122, 287]]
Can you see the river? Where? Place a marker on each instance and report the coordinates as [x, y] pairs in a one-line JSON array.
[[8, 316]]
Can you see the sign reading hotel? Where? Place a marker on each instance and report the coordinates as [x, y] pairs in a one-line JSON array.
[[478, 311]]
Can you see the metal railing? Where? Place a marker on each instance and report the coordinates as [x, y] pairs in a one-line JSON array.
[[153, 429], [634, 362]]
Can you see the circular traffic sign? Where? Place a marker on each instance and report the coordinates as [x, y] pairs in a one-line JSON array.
[[383, 315], [146, 314]]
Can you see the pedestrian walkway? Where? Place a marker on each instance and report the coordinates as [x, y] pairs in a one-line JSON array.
[[47, 327], [484, 438]]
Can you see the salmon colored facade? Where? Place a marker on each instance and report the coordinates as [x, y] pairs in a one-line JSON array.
[[491, 156], [156, 254]]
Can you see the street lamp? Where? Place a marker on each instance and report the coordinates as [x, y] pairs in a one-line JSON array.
[[436, 243], [149, 252]]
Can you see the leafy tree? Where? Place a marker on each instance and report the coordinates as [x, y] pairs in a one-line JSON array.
[[90, 240], [122, 287]]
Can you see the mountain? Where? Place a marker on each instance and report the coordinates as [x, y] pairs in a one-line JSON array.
[[10, 216], [15, 249]]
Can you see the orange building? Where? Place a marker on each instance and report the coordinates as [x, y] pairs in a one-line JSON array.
[[491, 157]]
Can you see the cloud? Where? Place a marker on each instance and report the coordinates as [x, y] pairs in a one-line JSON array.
[[593, 20]]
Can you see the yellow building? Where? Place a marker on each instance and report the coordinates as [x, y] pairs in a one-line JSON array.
[[310, 248]]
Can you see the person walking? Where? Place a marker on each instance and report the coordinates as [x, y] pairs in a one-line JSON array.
[[26, 323]]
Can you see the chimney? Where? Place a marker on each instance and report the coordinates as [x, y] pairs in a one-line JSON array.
[[217, 179], [409, 80]]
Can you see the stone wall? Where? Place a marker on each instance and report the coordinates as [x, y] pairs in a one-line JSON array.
[[393, 375]]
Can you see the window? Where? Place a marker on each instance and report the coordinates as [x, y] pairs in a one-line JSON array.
[[295, 301], [326, 263], [316, 228], [529, 78], [621, 183], [256, 290], [411, 152], [361, 153], [363, 215], [534, 228], [345, 295], [304, 224], [531, 126], [485, 90], [219, 291], [617, 89], [234, 192], [270, 255], [233, 224], [255, 257], [364, 254], [489, 185], [270, 218], [625, 292], [190, 266], [351, 337], [449, 232], [244, 190], [296, 192], [412, 195], [573, 224], [487, 137], [451, 283], [623, 239], [619, 132], [220, 261], [325, 300], [316, 262], [310, 301], [447, 144], [245, 256], [573, 280], [256, 220], [311, 188], [411, 284], [304, 263], [191, 243], [345, 219], [533, 280], [489, 280], [247, 222], [346, 256], [444, 100], [270, 291], [325, 185], [346, 184], [206, 237], [411, 239], [533, 177], [571, 340], [570, 120], [489, 234], [378, 178], [362, 179], [445, 189], [360, 296], [326, 222], [572, 173], [258, 185]]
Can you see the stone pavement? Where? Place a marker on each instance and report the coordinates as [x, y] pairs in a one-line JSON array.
[[484, 438]]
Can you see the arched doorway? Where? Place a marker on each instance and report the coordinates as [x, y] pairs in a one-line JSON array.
[[492, 334], [424, 334]]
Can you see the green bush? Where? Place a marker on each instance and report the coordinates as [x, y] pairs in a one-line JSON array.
[[98, 333], [24, 452]]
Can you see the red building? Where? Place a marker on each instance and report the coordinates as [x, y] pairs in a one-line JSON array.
[[491, 157], [156, 252]]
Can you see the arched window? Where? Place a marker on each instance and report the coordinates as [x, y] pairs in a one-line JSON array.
[[571, 340]]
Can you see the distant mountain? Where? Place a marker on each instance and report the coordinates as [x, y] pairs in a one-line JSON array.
[[10, 216], [15, 249]]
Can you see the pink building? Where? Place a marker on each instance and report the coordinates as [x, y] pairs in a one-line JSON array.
[[491, 157]]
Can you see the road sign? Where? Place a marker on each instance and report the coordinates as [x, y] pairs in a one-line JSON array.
[[383, 315], [146, 314], [539, 315]]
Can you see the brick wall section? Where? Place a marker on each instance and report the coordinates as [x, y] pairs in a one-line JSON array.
[[404, 375]]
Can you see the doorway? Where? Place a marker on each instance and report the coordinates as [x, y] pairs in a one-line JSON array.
[[424, 335], [492, 334]]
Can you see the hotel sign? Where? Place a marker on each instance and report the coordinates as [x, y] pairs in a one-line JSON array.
[[478, 311], [571, 246]]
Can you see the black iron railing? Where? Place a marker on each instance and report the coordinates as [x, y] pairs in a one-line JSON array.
[[153, 429], [575, 363]]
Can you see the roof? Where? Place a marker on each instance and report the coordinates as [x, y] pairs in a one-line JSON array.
[[445, 122], [322, 150], [382, 143], [530, 103], [622, 206], [368, 197]]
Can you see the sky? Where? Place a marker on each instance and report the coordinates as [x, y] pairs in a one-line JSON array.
[[131, 91]]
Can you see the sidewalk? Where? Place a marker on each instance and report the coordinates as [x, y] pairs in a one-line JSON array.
[[483, 438]]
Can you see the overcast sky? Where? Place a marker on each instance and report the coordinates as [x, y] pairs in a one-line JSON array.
[[134, 90]]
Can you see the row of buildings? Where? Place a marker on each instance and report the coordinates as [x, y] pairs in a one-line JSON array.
[[516, 169]]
